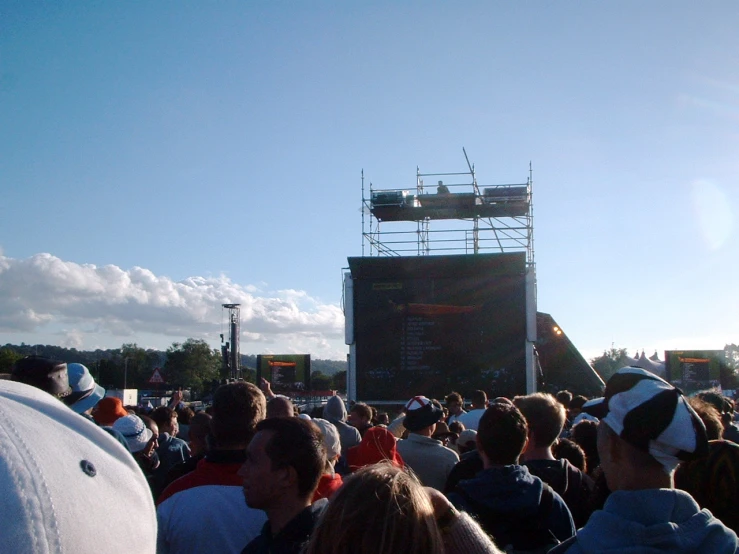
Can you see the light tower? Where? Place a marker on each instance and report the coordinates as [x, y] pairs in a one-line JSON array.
[[231, 358]]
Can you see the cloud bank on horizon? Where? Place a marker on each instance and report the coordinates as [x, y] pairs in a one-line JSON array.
[[83, 304]]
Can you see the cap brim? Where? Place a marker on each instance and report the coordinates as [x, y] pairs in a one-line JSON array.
[[597, 407], [84, 404]]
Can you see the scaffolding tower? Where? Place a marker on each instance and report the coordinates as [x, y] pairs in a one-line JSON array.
[[455, 215]]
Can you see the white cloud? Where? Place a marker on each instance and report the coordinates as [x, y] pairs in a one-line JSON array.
[[42, 291]]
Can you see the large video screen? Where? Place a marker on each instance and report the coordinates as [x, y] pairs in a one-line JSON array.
[[694, 370], [428, 325], [288, 374]]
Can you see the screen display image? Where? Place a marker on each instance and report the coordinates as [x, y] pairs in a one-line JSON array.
[[694, 370], [287, 373], [430, 325]]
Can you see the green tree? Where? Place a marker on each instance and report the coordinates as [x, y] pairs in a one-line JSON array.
[[319, 381], [611, 361], [8, 357], [340, 381], [136, 365], [192, 364]]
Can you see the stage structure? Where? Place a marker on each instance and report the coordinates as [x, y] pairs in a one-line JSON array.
[[230, 350], [445, 290]]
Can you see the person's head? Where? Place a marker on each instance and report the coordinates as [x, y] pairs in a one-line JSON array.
[[43, 373], [331, 440], [564, 397], [380, 509], [501, 435], [443, 434], [284, 461], [713, 481], [710, 416], [237, 408], [585, 434], [723, 405], [454, 403], [85, 392], [467, 441], [197, 435], [378, 444], [67, 485], [108, 410], [648, 428], [135, 431], [383, 418], [185, 415], [456, 427], [153, 444], [360, 416], [570, 451], [280, 406], [479, 400], [335, 409], [576, 405], [421, 416], [166, 419], [544, 415]]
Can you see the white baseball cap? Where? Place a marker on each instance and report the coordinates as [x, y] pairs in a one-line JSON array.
[[66, 484]]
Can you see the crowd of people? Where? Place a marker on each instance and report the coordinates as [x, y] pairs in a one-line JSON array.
[[641, 469]]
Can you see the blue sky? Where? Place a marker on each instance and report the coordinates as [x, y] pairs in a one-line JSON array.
[[159, 158]]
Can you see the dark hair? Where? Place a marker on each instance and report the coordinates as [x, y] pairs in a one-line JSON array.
[[383, 418], [585, 434], [185, 415], [237, 408], [163, 415], [200, 426], [362, 410], [296, 443], [564, 397], [577, 402], [454, 397], [479, 398], [571, 451], [456, 427], [502, 433], [720, 402]]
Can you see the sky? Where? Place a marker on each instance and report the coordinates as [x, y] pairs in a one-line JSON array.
[[158, 159]]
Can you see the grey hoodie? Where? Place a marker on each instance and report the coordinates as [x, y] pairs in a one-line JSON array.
[[335, 412], [653, 521]]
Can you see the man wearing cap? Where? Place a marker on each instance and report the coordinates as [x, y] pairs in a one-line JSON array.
[[85, 395], [646, 428], [430, 460]]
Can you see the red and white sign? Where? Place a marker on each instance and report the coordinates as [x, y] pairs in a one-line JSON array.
[[156, 377]]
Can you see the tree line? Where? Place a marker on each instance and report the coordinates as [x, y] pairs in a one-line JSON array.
[[615, 358], [191, 364]]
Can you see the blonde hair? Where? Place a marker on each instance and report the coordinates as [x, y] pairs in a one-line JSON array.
[[380, 509]]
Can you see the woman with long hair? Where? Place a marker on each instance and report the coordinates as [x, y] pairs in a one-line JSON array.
[[382, 509]]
